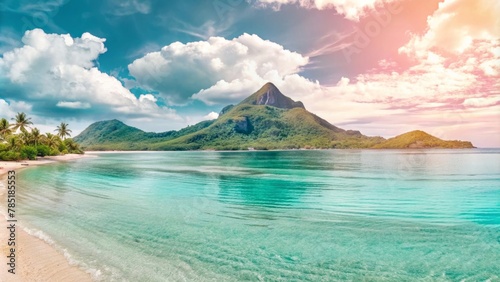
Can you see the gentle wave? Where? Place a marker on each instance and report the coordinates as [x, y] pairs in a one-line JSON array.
[[313, 216], [94, 273]]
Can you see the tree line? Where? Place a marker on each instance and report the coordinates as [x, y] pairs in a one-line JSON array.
[[19, 140]]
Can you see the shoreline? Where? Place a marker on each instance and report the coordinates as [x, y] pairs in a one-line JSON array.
[[280, 150], [36, 259]]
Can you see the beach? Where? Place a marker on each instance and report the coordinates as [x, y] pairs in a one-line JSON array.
[[36, 260]]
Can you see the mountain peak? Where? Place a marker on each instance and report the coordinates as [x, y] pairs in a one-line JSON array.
[[269, 86], [270, 95]]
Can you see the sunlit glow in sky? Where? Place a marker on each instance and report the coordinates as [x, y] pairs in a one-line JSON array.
[[383, 67]]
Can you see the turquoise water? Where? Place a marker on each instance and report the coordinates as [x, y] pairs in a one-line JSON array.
[[424, 215]]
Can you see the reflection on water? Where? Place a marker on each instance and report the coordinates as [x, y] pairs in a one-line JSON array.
[[281, 215]]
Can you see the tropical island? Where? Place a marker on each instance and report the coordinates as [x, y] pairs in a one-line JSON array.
[[21, 141], [266, 120]]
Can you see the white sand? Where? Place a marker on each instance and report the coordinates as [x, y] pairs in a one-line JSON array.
[[36, 260]]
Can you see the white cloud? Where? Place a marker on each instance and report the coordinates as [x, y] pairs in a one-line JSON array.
[[456, 26], [449, 87], [482, 102], [148, 98], [450, 91], [351, 9], [344, 81], [210, 68], [211, 116], [73, 105], [381, 102], [59, 69], [224, 92], [9, 110]]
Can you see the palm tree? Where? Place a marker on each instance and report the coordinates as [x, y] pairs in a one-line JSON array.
[[4, 129], [15, 143], [63, 131], [71, 145], [51, 140], [21, 122], [35, 136], [25, 137]]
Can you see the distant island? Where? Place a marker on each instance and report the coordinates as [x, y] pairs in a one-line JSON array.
[[266, 120]]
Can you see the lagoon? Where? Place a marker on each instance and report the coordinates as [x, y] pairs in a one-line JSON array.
[[332, 215]]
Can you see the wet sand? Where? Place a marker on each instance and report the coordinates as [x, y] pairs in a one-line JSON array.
[[36, 260]]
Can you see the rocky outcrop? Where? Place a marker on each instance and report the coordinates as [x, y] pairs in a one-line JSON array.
[[271, 96], [243, 125]]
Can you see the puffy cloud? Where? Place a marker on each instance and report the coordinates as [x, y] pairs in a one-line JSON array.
[[211, 116], [59, 72], [8, 110], [442, 98], [461, 30], [42, 51], [431, 95], [215, 68], [391, 104], [344, 81], [351, 9], [451, 90], [416, 85], [441, 93], [224, 92], [456, 26]]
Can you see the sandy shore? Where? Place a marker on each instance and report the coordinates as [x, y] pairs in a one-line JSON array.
[[36, 260]]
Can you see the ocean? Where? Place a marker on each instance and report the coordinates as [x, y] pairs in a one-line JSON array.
[[329, 215]]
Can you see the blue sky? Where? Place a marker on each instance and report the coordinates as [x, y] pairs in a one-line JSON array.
[[375, 66], [132, 30]]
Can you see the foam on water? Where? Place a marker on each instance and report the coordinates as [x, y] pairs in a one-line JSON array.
[[271, 216], [94, 273]]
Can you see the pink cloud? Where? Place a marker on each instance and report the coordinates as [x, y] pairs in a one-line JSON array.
[[450, 89]]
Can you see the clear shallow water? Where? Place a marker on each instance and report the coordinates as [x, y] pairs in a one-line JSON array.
[[273, 216]]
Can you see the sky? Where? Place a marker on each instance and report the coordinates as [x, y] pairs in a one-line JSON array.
[[383, 67]]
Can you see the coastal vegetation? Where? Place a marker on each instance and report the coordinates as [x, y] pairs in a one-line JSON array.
[[20, 140]]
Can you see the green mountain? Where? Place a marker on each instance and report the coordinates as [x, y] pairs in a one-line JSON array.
[[265, 120], [419, 139], [115, 135]]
